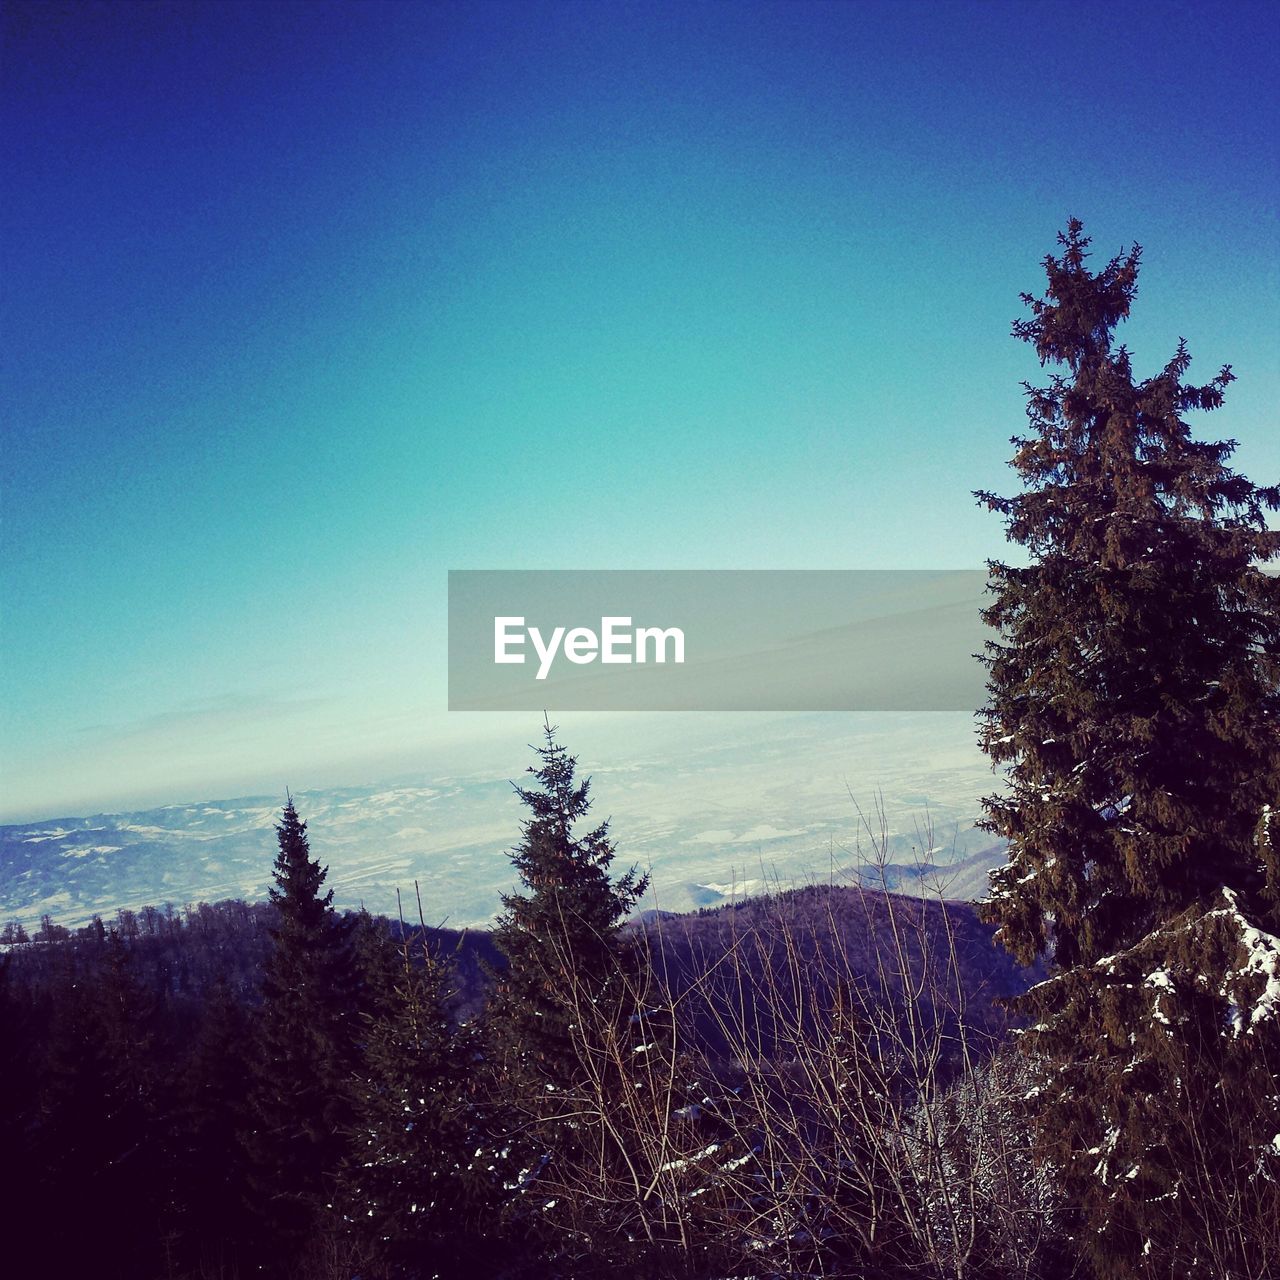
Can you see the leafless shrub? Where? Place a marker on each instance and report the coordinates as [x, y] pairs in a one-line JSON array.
[[781, 1108]]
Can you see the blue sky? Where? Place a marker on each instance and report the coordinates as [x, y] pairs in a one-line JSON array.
[[306, 304]]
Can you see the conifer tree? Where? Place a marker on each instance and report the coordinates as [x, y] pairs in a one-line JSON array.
[[212, 1200], [409, 1185], [20, 1039], [561, 1012], [1134, 699], [100, 1120], [306, 1047], [561, 935]]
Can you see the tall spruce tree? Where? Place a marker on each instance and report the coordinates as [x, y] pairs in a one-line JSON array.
[[1133, 699], [306, 1052]]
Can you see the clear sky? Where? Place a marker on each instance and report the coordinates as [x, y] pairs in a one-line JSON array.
[[305, 304]]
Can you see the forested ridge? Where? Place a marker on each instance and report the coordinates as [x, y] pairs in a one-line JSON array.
[[151, 1028], [1078, 1080]]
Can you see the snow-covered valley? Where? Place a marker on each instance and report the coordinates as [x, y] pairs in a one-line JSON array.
[[714, 815]]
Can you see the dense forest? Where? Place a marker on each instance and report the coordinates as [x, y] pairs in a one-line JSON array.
[[281, 1089], [1077, 1078]]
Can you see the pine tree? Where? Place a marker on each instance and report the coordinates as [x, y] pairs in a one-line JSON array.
[[99, 1123], [562, 1015], [306, 1048], [212, 1193], [1133, 699], [23, 1034], [560, 937], [409, 1186]]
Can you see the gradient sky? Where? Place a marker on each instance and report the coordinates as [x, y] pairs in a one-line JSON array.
[[305, 304]]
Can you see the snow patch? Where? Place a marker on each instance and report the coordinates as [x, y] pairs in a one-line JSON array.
[[1262, 960]]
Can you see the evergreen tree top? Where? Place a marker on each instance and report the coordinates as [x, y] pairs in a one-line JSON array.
[[1112, 472], [566, 873], [298, 878], [560, 936], [559, 799], [1073, 322], [1134, 684]]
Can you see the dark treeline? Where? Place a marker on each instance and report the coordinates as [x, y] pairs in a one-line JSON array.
[[813, 1082], [278, 1089], [132, 1059]]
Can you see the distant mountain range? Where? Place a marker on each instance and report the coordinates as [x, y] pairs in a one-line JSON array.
[[715, 821], [965, 879]]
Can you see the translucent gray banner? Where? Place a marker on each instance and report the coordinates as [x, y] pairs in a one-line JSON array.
[[712, 640]]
